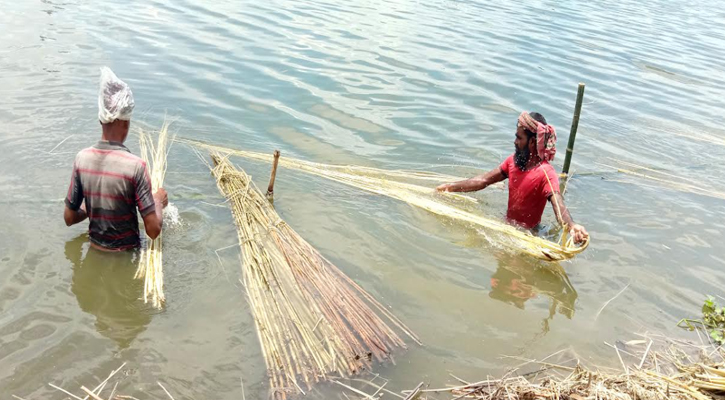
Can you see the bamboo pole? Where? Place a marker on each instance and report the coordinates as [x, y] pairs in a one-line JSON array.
[[270, 188], [574, 127]]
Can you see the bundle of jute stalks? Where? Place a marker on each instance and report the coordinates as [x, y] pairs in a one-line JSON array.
[[454, 206], [314, 323], [150, 266]]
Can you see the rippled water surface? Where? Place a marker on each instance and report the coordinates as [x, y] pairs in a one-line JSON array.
[[432, 85]]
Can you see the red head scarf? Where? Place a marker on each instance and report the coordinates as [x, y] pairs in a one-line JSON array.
[[545, 136]]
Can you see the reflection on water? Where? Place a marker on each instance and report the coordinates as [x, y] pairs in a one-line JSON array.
[[104, 286], [519, 279]]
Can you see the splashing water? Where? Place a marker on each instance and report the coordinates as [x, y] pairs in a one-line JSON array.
[[172, 218]]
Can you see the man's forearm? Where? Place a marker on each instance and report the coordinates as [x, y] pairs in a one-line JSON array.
[[469, 185], [478, 183], [562, 211], [566, 217], [159, 209], [73, 217], [80, 216]]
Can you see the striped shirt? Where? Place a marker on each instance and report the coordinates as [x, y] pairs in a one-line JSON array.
[[113, 182]]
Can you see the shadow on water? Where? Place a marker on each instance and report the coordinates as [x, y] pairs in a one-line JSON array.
[[519, 279], [104, 287]]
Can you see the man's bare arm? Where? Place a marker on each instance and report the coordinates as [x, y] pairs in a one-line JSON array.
[[152, 222], [476, 183], [73, 217], [562, 214]]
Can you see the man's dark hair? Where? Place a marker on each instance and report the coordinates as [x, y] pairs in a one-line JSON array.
[[539, 118]]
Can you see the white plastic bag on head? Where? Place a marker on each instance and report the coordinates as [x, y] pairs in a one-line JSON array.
[[115, 99]]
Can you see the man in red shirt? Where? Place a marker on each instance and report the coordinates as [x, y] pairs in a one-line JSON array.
[[532, 180]]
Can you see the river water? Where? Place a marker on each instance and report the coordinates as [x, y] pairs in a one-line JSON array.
[[434, 85]]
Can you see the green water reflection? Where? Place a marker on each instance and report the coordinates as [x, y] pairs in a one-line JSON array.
[[104, 287], [520, 279]]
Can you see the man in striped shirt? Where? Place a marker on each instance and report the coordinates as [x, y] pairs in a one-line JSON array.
[[109, 183]]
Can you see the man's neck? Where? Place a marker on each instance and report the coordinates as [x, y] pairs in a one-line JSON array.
[[111, 138], [113, 132]]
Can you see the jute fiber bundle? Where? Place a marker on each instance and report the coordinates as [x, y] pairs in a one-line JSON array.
[[388, 183], [150, 266], [313, 322]]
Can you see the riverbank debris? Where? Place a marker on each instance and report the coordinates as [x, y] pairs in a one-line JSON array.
[[98, 392], [313, 322], [150, 266], [652, 367], [391, 183]]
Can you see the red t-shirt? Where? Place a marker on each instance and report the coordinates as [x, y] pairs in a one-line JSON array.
[[528, 191]]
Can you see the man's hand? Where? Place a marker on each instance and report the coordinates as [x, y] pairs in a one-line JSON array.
[[578, 233], [161, 197], [444, 187]]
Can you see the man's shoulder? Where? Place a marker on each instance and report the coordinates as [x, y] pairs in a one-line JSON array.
[[549, 175], [115, 154], [116, 160], [508, 161], [84, 153], [548, 168]]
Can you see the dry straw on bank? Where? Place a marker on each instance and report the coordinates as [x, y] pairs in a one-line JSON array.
[[103, 391], [653, 367], [659, 368], [150, 266], [454, 206], [313, 322]]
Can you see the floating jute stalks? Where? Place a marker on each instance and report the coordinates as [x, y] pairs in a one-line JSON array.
[[99, 392], [150, 267], [454, 206], [663, 179], [313, 322]]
